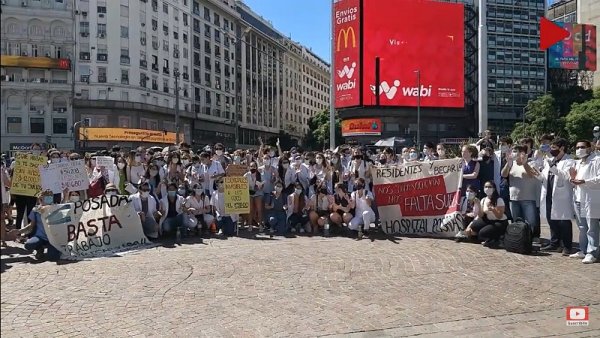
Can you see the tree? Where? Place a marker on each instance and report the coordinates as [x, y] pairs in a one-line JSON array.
[[582, 118], [317, 137], [566, 97], [285, 141], [542, 117]]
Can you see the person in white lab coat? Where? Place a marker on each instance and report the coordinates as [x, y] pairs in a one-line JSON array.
[[586, 178], [556, 204]]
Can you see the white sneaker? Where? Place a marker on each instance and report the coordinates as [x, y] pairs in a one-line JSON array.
[[460, 234], [444, 227], [579, 255], [589, 259]]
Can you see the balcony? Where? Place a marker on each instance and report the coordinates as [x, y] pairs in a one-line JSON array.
[[144, 64], [124, 60], [185, 76], [85, 56], [166, 70], [102, 78], [102, 57]]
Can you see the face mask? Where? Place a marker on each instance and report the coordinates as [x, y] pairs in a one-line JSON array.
[[413, 156], [138, 159], [581, 153], [545, 148], [237, 159], [160, 163], [554, 152], [359, 186], [48, 200], [319, 161], [121, 165], [596, 134], [278, 189], [185, 162], [175, 160], [504, 149], [198, 192], [267, 162], [334, 160], [219, 152], [181, 192], [470, 195], [110, 193], [55, 160], [298, 191], [485, 158], [253, 170], [488, 191], [441, 152], [172, 193], [298, 162], [74, 198], [383, 161], [272, 154], [307, 162], [515, 154], [286, 165], [153, 173], [145, 194]]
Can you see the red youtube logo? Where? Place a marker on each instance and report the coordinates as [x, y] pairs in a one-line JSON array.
[[578, 313], [551, 33]]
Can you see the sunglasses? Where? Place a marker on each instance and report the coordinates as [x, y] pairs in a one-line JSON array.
[[581, 147], [111, 190]]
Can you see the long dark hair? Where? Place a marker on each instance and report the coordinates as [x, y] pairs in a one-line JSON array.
[[495, 195], [280, 170]]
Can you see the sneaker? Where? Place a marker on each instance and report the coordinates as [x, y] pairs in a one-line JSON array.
[[220, 233], [293, 229], [460, 234], [566, 252], [39, 254], [537, 240], [589, 259], [549, 247], [360, 235], [579, 255]]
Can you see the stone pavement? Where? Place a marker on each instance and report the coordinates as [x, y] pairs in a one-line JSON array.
[[300, 287]]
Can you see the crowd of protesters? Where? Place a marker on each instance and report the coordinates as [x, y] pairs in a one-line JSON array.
[[180, 192]]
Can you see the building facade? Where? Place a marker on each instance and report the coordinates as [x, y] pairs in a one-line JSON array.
[[315, 85], [589, 13], [37, 84], [516, 65], [129, 54], [294, 118]]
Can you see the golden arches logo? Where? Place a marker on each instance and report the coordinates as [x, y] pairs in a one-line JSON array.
[[346, 34]]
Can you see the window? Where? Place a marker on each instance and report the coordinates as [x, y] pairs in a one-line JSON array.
[[166, 8], [185, 19], [206, 13], [13, 125], [154, 25], [125, 32], [185, 38], [101, 9], [207, 63], [165, 29], [166, 45], [207, 79], [124, 11], [124, 76], [207, 97], [217, 19], [217, 36], [207, 30], [175, 35], [124, 96], [59, 125], [166, 86], [206, 46], [84, 27], [102, 28], [36, 125]]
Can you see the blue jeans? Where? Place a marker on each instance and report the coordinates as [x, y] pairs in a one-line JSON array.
[[172, 223], [278, 221], [525, 210], [589, 232], [226, 225], [36, 243]]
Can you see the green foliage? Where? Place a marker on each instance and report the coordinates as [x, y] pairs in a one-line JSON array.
[[582, 118], [542, 117], [317, 137]]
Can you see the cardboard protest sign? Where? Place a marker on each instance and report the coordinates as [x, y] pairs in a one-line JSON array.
[[105, 161], [237, 196], [418, 198], [26, 177], [100, 226], [236, 170], [58, 176]]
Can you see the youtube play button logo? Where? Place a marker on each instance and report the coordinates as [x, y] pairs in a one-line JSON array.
[[551, 33]]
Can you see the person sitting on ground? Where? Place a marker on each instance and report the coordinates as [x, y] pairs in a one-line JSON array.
[[198, 204], [172, 208], [297, 209], [365, 215], [491, 226], [342, 207], [470, 209], [319, 208]]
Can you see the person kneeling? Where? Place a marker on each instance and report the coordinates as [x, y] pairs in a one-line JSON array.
[[297, 209], [172, 209], [343, 207], [276, 211], [147, 207], [470, 209], [365, 215], [225, 222], [319, 208], [492, 225]]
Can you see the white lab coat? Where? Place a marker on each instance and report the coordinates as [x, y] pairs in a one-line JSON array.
[[165, 206], [588, 193], [562, 194], [136, 201]]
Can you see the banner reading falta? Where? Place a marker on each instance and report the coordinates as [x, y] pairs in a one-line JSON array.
[[346, 48], [100, 226], [420, 198]]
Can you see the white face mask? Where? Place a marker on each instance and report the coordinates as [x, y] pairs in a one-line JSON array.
[[581, 153], [181, 192], [198, 192], [278, 189], [470, 195], [413, 156], [596, 134], [504, 149], [267, 162], [307, 162], [153, 173], [175, 160], [219, 152], [138, 159], [334, 160], [185, 162], [121, 165], [144, 194], [298, 191], [488, 191], [237, 159], [55, 160], [74, 198], [272, 154], [319, 161]]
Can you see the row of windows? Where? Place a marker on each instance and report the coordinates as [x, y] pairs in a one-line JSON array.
[[37, 125], [35, 50], [37, 103]]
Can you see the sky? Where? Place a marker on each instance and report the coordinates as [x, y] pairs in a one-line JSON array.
[[307, 21]]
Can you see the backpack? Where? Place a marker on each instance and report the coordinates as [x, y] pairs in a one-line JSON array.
[[97, 187], [518, 237]]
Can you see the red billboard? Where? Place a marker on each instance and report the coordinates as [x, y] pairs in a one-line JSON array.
[[346, 48], [410, 36]]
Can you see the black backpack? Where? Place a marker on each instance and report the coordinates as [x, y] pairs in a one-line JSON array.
[[518, 237]]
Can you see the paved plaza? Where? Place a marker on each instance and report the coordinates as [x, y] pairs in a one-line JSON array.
[[301, 287]]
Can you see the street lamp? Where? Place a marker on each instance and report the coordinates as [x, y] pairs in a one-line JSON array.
[[176, 74], [418, 71]]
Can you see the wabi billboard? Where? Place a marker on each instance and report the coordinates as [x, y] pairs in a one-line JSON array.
[[346, 44], [410, 36], [577, 51]]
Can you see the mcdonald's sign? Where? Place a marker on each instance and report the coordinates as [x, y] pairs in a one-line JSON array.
[[345, 33], [346, 46]]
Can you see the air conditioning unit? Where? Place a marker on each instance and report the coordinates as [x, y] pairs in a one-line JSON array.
[[84, 13], [101, 15], [41, 112], [24, 4], [85, 34], [101, 35], [86, 56]]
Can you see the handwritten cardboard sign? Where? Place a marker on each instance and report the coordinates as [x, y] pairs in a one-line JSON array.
[[237, 196], [26, 177]]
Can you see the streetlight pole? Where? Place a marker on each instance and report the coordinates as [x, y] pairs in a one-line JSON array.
[[418, 71], [238, 87], [482, 93], [176, 74]]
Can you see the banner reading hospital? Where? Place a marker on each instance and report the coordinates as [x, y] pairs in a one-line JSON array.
[[100, 226], [418, 198]]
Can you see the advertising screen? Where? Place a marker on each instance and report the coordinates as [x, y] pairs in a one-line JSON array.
[[410, 36], [577, 51], [358, 127], [346, 48]]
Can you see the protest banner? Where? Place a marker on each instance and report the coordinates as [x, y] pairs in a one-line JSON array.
[[58, 176], [105, 161], [26, 176], [100, 226], [237, 196], [418, 198], [236, 170]]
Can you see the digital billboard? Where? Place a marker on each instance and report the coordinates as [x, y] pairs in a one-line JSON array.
[[410, 36], [346, 49], [358, 127], [577, 51]]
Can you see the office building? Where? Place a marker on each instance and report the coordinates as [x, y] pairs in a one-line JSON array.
[[589, 13], [315, 84], [294, 116], [37, 45]]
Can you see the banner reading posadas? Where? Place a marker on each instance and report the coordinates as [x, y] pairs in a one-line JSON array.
[[418, 198], [100, 226]]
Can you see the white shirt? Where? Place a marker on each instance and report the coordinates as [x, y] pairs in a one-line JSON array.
[[215, 168], [486, 210], [361, 203], [199, 205], [218, 202]]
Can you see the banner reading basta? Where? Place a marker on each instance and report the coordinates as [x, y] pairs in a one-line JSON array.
[[418, 198]]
